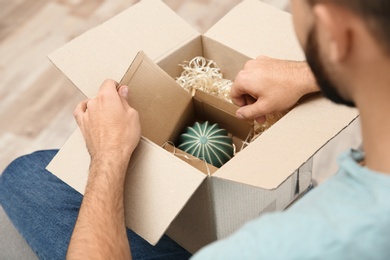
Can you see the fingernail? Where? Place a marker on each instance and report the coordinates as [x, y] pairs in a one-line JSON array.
[[124, 91], [239, 115]]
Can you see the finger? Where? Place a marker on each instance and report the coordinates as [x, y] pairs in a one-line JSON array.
[[251, 64], [241, 87], [237, 95], [238, 100], [249, 100], [262, 57], [123, 92], [241, 98], [91, 104], [261, 119], [250, 111], [108, 88], [109, 83], [80, 110]]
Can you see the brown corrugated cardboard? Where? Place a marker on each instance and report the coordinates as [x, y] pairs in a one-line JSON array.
[[252, 25], [167, 190], [293, 139]]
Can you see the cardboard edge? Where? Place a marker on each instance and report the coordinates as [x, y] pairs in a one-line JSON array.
[[129, 73], [353, 115]]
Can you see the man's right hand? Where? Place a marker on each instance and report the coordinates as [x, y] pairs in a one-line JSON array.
[[110, 127], [268, 85]]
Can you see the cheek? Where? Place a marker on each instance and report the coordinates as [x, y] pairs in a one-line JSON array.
[[302, 20]]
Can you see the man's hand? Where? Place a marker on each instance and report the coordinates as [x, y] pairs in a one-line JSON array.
[[110, 126], [112, 131], [268, 85]]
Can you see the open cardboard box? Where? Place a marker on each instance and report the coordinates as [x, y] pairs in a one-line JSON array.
[[152, 92], [164, 193]]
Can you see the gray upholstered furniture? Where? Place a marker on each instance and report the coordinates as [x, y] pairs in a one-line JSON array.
[[12, 245]]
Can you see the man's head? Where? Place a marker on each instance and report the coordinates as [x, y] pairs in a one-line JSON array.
[[338, 36]]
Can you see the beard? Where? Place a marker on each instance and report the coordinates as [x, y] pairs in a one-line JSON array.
[[325, 82]]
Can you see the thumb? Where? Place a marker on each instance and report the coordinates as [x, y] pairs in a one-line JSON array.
[[124, 94], [252, 111]]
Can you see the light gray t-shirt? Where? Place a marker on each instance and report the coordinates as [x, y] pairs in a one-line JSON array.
[[347, 217]]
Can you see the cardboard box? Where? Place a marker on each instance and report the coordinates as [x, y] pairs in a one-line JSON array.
[[164, 193]]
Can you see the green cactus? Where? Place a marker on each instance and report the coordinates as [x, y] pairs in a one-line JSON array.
[[207, 142]]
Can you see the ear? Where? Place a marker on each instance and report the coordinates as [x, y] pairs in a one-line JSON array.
[[333, 25]]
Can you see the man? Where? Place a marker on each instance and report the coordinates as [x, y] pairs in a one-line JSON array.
[[347, 44]]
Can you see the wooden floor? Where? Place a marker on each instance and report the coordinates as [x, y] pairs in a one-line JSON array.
[[36, 100]]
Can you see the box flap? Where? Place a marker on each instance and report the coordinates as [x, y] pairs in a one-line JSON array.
[[269, 160], [151, 92], [158, 184], [256, 28], [70, 166], [106, 50]]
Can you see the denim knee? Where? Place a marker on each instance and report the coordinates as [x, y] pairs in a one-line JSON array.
[[20, 172]]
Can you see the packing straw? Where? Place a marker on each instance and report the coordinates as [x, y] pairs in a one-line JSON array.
[[203, 74]]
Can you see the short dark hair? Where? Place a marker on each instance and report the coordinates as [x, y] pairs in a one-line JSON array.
[[375, 13]]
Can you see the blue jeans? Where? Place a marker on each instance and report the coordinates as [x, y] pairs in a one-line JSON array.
[[44, 211]]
